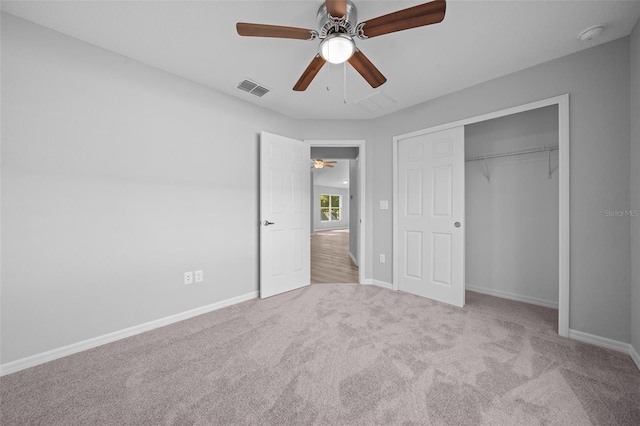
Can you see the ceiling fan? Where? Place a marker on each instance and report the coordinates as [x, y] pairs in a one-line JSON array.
[[337, 23], [318, 163]]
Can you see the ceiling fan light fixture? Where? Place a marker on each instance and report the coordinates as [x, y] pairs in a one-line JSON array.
[[337, 48]]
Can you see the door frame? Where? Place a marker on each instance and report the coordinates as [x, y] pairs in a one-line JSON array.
[[562, 101], [360, 144]]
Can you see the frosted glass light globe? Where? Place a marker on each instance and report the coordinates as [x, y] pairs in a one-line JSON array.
[[337, 48]]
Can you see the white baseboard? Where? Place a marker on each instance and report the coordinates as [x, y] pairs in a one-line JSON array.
[[634, 356], [339, 228], [606, 343], [600, 341], [382, 284], [512, 296], [353, 259], [31, 361]]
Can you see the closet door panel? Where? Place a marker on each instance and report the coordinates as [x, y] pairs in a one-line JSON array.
[[430, 223]]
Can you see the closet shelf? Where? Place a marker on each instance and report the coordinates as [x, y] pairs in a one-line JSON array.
[[513, 152], [484, 157]]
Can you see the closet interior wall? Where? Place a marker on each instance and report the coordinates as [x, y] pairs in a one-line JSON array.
[[511, 208]]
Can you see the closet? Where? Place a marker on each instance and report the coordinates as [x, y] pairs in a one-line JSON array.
[[512, 208]]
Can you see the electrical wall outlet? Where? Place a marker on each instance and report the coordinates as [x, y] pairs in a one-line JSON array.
[[382, 258], [199, 276], [384, 205], [188, 278]]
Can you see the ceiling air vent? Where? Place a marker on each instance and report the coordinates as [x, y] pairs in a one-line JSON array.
[[253, 88]]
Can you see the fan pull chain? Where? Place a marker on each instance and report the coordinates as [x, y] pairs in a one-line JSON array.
[[345, 82], [328, 84]]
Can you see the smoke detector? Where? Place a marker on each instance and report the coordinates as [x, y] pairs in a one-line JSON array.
[[591, 33]]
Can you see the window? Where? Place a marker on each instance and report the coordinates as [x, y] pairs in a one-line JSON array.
[[329, 207]]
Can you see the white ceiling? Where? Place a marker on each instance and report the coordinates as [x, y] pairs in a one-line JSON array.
[[477, 41], [333, 177]]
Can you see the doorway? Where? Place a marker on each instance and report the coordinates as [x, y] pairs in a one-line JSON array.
[[344, 229], [562, 103], [332, 258]]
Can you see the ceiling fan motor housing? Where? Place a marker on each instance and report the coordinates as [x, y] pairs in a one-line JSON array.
[[328, 24]]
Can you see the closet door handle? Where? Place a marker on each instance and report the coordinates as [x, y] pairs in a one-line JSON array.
[[457, 224]]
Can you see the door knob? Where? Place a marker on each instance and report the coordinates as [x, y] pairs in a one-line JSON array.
[[457, 224], [267, 223]]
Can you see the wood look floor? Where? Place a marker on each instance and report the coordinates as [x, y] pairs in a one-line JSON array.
[[330, 261]]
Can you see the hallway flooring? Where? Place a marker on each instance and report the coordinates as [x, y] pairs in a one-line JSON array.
[[330, 261]]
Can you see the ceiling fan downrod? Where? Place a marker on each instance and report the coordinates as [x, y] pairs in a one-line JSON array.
[[328, 24]]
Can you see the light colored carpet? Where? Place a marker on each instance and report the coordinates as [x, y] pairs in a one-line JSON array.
[[336, 354]]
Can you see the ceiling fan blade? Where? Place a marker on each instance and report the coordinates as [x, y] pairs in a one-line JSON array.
[[261, 30], [336, 8], [417, 16], [328, 165], [330, 162], [366, 69], [308, 75]]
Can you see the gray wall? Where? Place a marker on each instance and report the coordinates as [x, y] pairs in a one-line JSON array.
[[511, 232], [635, 187], [116, 179], [597, 80], [112, 185], [334, 153], [343, 223]]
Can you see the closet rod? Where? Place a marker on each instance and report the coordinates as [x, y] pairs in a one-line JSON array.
[[513, 152]]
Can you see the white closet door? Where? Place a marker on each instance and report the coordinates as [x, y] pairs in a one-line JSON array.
[[431, 215], [284, 214]]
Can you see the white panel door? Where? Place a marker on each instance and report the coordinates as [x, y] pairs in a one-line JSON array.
[[284, 214], [431, 215]]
